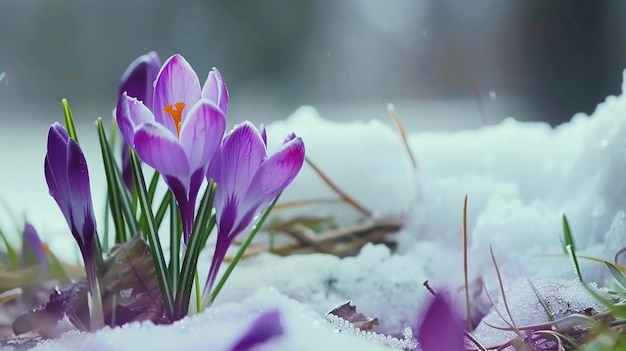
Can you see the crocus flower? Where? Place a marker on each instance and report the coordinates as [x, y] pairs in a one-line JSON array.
[[68, 183], [247, 182], [138, 82], [264, 328], [441, 327], [180, 134], [33, 250]]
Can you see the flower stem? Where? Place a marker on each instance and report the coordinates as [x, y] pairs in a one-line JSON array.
[[96, 314]]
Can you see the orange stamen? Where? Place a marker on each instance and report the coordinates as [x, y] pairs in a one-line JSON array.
[[176, 111]]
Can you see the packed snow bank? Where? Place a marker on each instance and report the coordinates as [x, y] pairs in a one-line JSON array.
[[520, 178]]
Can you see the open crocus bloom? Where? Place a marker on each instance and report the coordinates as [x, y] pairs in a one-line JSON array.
[[247, 182], [179, 136]]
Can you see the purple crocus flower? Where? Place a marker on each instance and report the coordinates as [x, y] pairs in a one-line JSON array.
[[68, 182], [33, 250], [441, 327], [247, 182], [67, 176], [179, 136], [138, 82], [264, 328]]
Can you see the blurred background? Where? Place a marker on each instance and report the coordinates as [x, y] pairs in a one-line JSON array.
[[446, 64]]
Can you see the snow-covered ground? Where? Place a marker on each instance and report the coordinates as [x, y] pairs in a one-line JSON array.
[[520, 179]]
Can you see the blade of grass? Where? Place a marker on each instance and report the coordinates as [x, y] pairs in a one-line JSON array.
[[154, 182], [571, 249], [153, 237], [506, 303], [199, 235], [241, 251], [396, 120], [542, 301], [69, 119]]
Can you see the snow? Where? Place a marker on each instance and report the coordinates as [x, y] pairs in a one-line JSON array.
[[520, 178]]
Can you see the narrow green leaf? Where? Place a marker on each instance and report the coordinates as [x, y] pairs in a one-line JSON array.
[[199, 235], [107, 208], [119, 198], [153, 185], [174, 265], [542, 301], [69, 120], [572, 254], [617, 274], [567, 234], [241, 251], [160, 214], [619, 310], [113, 193], [153, 237]]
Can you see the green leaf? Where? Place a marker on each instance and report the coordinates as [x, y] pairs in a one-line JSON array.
[[156, 249], [14, 258], [203, 225], [119, 199], [241, 251], [618, 310], [567, 234], [69, 120], [569, 246], [175, 233]]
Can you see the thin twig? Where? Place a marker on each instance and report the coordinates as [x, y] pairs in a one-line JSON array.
[[344, 197], [396, 120]]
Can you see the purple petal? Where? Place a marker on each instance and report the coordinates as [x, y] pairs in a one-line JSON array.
[[276, 173], [55, 168], [266, 327], [202, 133], [242, 153], [214, 89], [83, 218], [176, 82], [138, 79], [33, 250], [130, 114], [161, 150], [233, 167], [441, 327]]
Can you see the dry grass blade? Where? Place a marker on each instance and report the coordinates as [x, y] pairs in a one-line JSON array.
[[338, 242], [396, 120], [10, 295], [308, 202], [506, 304], [344, 197]]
